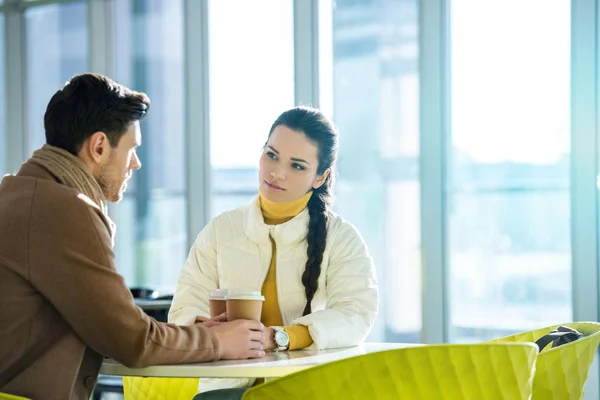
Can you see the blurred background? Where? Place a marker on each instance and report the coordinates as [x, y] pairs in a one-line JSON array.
[[469, 140]]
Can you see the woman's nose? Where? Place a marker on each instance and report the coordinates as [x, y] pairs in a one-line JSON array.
[[278, 175]]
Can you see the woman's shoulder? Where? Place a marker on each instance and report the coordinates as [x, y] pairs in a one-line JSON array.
[[231, 218], [238, 219], [340, 226], [344, 239], [223, 227]]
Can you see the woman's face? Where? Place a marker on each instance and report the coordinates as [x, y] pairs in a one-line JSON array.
[[288, 166]]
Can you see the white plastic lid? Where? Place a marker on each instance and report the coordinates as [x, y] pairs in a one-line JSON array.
[[238, 294], [219, 294]]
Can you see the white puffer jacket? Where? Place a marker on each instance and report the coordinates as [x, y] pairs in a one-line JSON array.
[[234, 251]]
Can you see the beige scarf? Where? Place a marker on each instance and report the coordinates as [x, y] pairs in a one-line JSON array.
[[72, 172]]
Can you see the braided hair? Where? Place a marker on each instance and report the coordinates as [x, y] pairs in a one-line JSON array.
[[319, 130]]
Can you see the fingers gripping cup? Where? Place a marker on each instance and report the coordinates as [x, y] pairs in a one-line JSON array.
[[217, 302], [244, 304]]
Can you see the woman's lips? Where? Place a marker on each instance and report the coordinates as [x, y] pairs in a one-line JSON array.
[[273, 187]]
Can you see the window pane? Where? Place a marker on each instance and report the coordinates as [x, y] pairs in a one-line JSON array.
[[2, 102], [375, 104], [152, 229], [252, 82], [508, 188], [57, 48]]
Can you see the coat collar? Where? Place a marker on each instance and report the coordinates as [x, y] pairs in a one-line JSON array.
[[287, 234]]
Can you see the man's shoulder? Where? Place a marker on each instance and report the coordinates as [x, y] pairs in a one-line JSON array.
[[46, 192], [33, 181], [46, 200]]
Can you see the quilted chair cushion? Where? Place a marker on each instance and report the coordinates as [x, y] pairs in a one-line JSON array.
[[138, 388], [454, 371], [561, 371]]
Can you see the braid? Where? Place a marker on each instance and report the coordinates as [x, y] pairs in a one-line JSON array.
[[318, 209], [321, 133]]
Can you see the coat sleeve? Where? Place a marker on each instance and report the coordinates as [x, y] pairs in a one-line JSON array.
[[198, 278], [72, 264], [352, 294]]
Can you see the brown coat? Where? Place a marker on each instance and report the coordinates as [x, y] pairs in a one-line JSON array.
[[63, 306]]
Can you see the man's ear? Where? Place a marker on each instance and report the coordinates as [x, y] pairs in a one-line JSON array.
[[97, 147], [321, 179]]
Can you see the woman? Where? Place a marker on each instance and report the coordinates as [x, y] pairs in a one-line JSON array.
[[312, 267]]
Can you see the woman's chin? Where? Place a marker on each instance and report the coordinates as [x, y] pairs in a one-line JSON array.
[[275, 197]]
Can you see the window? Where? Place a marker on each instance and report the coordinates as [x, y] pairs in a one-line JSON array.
[[57, 49], [508, 168], [152, 230], [3, 137], [252, 82], [375, 106]]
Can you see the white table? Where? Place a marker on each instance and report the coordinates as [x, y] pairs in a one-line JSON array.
[[153, 304], [273, 365]]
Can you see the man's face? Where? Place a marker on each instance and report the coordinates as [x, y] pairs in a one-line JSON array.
[[122, 161]]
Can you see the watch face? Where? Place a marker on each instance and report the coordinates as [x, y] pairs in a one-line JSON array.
[[282, 338]]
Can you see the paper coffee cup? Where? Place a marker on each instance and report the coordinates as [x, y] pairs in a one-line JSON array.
[[217, 302], [243, 304]]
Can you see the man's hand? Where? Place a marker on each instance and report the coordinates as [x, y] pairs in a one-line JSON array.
[[240, 339], [209, 323], [269, 343]]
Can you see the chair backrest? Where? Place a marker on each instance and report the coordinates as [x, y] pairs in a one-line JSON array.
[[451, 371], [138, 388], [561, 371]]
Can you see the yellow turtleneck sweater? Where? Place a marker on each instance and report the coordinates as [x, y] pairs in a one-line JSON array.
[[275, 214]]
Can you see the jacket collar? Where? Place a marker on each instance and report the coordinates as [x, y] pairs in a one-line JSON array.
[[287, 234], [32, 170]]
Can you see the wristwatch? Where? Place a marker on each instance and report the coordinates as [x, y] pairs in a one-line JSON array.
[[282, 339]]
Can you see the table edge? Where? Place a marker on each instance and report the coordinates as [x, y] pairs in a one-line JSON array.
[[251, 371]]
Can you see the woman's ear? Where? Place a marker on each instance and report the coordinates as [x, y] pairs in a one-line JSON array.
[[321, 179]]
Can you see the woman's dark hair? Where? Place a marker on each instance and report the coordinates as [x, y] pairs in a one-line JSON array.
[[89, 103], [319, 130]]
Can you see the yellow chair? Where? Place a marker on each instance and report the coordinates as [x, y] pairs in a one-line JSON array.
[[498, 371], [561, 371], [6, 396], [138, 388]]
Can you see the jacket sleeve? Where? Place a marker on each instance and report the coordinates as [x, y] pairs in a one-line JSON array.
[[198, 278], [352, 294], [299, 337], [72, 264]]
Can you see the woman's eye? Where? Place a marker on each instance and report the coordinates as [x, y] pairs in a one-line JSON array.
[[298, 167], [272, 155]]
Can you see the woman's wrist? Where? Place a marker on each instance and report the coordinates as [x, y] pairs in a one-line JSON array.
[[269, 343]]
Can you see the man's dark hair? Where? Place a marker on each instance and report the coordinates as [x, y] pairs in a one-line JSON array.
[[89, 103]]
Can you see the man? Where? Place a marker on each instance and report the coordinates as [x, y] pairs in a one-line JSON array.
[[64, 306]]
